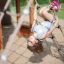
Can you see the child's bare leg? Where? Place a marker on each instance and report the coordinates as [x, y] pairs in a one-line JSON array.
[[44, 12]]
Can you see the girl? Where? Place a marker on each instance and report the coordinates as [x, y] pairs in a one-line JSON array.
[[41, 30]]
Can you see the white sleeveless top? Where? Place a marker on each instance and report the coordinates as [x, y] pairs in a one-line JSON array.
[[41, 28]]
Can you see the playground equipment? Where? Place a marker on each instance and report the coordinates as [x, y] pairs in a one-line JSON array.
[[1, 41], [18, 11], [18, 8], [1, 17]]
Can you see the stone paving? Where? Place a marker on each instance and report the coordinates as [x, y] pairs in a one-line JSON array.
[[19, 54]]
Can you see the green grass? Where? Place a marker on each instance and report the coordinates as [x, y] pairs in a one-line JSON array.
[[60, 12]]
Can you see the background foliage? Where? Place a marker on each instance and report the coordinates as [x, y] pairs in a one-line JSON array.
[[41, 2]]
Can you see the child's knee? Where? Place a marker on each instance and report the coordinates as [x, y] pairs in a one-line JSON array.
[[42, 11]]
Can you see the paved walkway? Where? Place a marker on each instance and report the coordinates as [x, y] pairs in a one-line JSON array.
[[19, 54]]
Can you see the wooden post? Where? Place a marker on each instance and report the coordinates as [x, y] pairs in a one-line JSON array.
[[31, 15], [25, 30], [1, 40], [18, 8]]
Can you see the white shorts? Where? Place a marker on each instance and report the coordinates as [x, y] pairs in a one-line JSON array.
[[41, 29]]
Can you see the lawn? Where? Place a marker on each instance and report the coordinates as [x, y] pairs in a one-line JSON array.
[[60, 12]]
